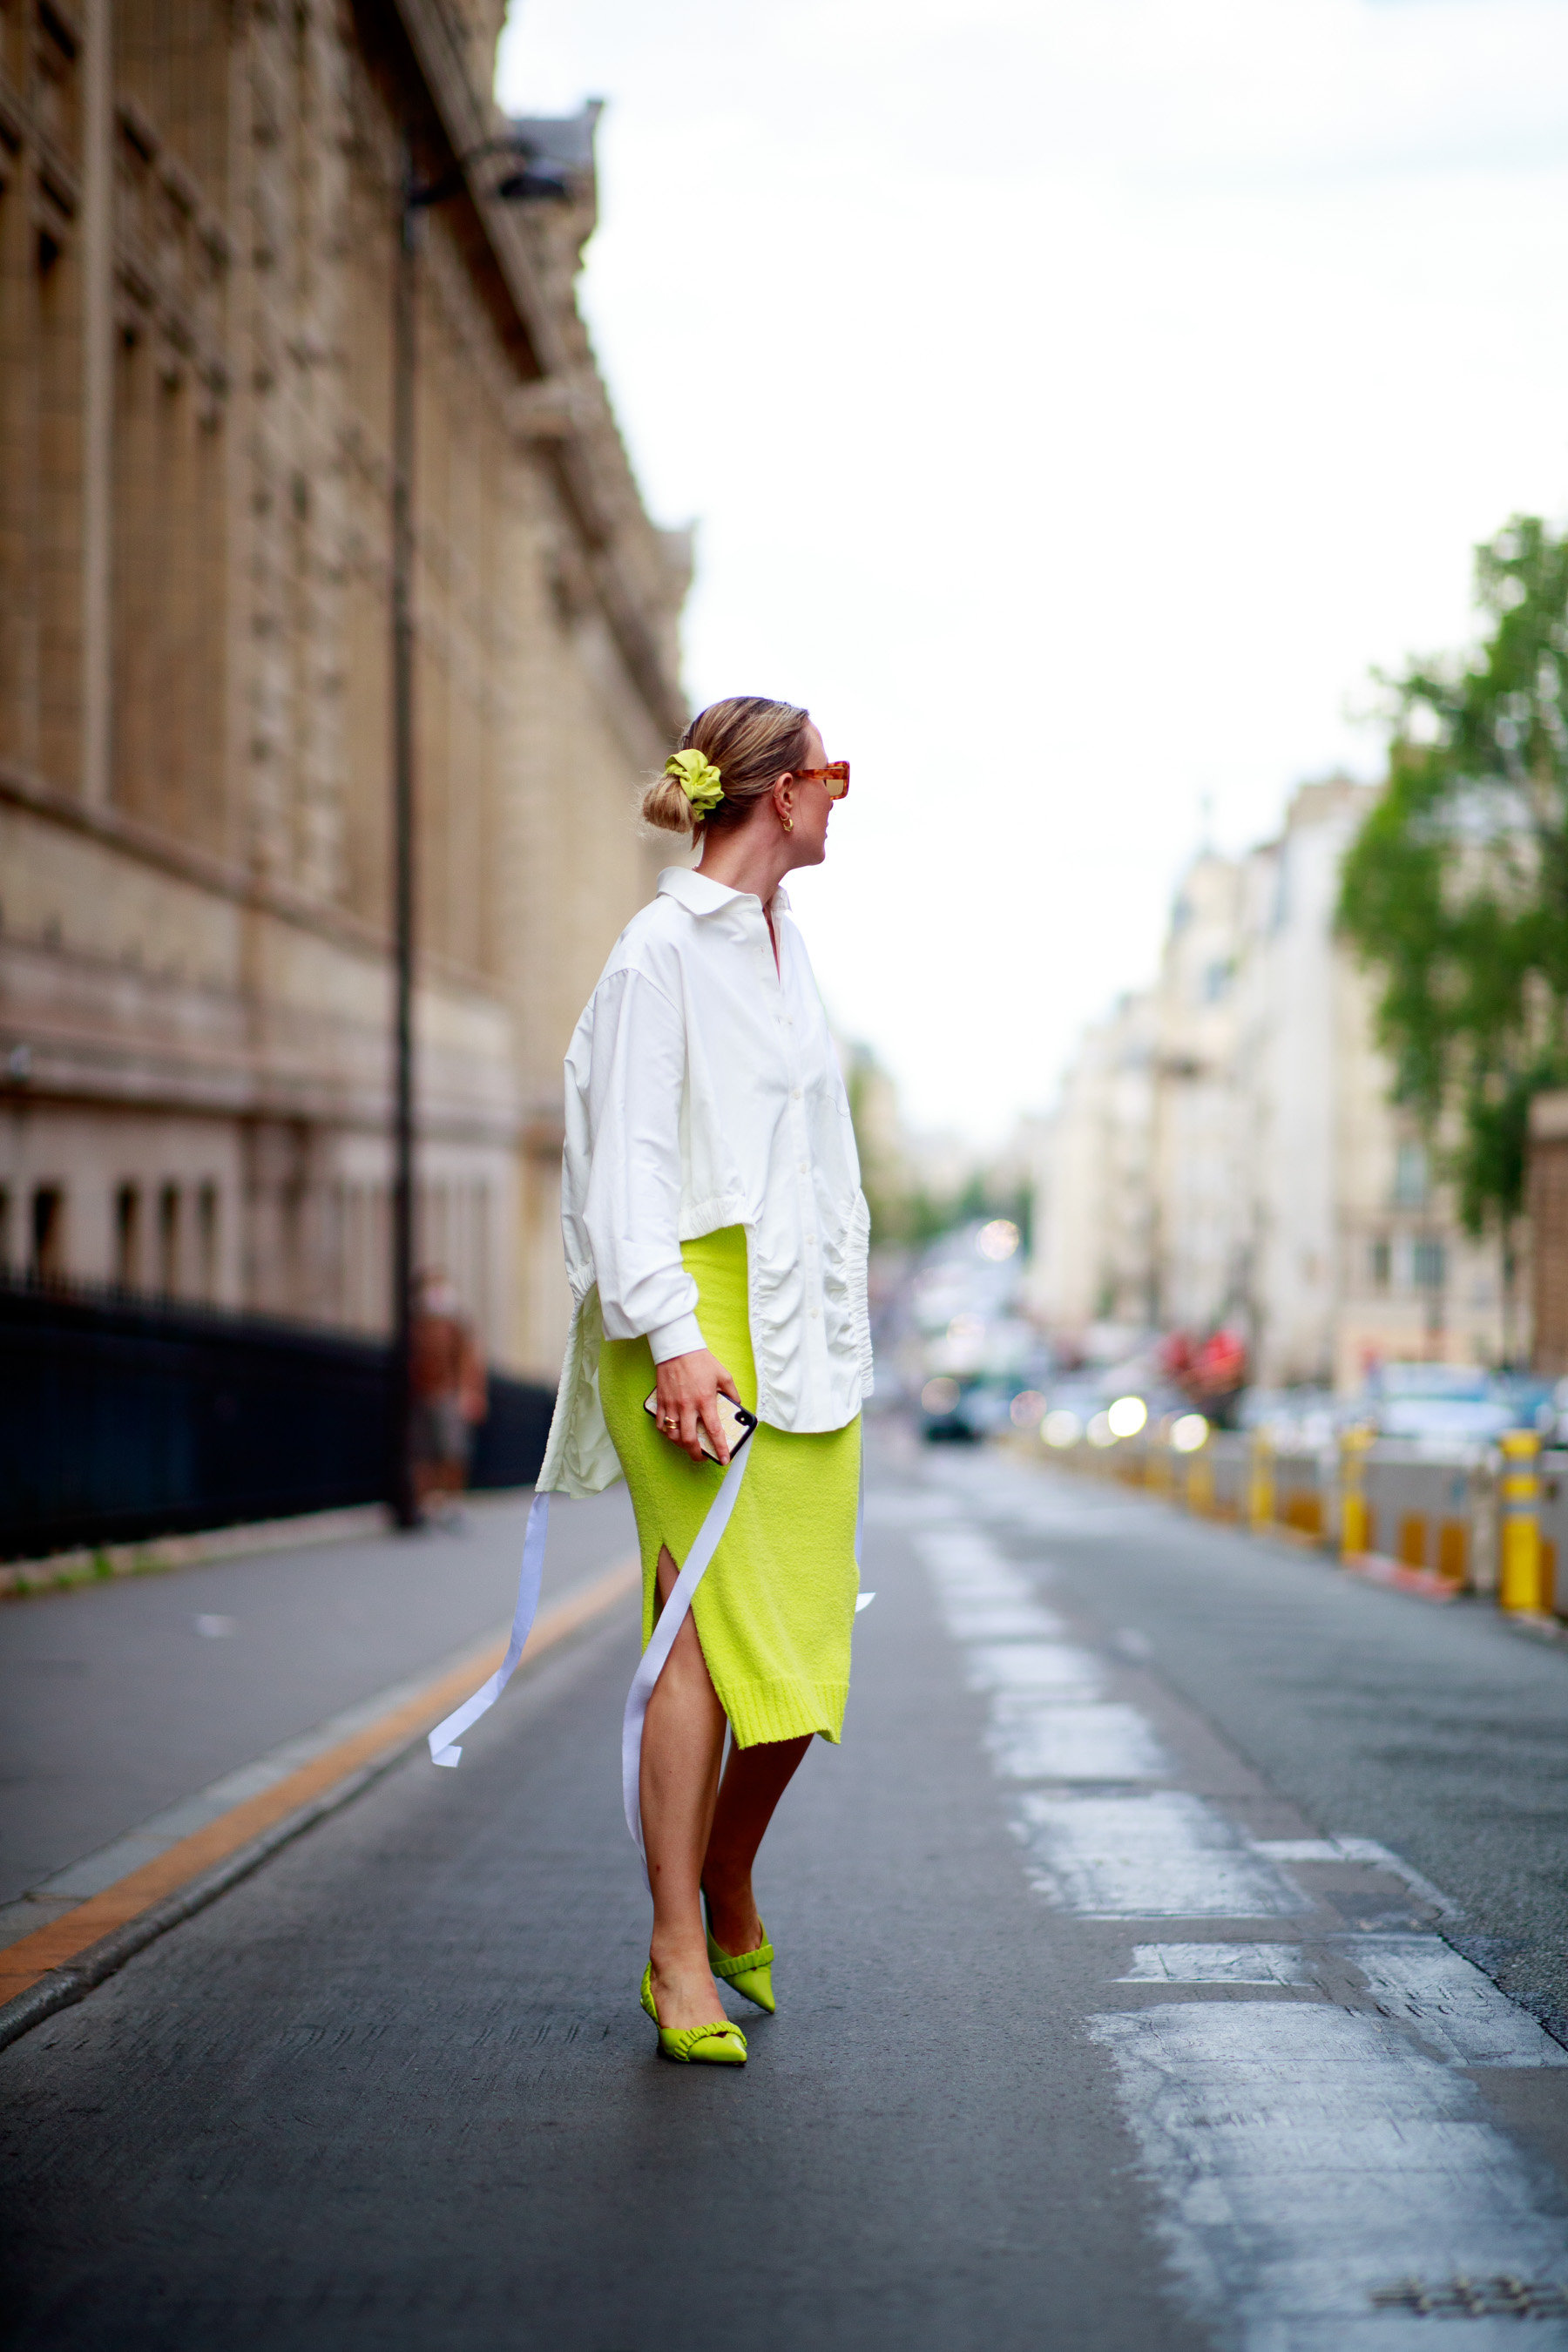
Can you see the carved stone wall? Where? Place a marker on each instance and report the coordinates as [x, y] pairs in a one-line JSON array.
[[198, 205]]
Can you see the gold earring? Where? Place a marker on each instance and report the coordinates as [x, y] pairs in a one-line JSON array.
[[788, 823]]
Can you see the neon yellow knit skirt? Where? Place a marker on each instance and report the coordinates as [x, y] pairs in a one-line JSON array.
[[775, 1609]]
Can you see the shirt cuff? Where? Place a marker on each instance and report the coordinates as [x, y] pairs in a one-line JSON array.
[[677, 1338]]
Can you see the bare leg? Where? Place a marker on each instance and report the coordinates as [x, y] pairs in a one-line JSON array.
[[683, 1741], [754, 1780]]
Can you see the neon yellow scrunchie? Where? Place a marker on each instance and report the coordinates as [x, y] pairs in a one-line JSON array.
[[698, 779]]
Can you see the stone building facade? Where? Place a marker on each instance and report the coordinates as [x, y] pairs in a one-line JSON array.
[[1091, 1275], [1547, 1203], [1224, 1153], [199, 216]]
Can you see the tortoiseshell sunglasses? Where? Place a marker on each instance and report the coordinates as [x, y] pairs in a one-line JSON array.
[[833, 779]]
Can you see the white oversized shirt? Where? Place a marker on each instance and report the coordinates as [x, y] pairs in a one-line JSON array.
[[703, 1090]]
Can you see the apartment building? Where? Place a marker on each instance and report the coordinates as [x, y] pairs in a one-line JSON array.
[[1255, 1174]]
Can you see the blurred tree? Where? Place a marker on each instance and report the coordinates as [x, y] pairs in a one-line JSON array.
[[1456, 892], [904, 1210], [884, 1179]]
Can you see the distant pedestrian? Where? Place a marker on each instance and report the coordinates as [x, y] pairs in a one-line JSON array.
[[449, 1392], [716, 1242]]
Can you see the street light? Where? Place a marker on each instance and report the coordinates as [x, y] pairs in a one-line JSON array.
[[537, 179]]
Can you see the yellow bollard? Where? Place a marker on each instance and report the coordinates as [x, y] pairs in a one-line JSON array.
[[1520, 1584], [1260, 1502], [1354, 1517], [1200, 1482]]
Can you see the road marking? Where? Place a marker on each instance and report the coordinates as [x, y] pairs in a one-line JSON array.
[[903, 1506], [966, 1565], [1424, 1982], [1031, 1740], [63, 1939], [1326, 2180], [999, 1620], [1362, 1849], [1308, 2156], [1412, 1979], [1244, 1964], [1032, 1666], [1163, 1855]]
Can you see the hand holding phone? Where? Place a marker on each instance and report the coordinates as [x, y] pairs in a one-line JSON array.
[[697, 1407]]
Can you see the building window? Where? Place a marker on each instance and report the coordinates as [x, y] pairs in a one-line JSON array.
[[207, 1240], [48, 1237], [1382, 1262], [169, 1239], [1428, 1264], [1411, 1177], [127, 1236]]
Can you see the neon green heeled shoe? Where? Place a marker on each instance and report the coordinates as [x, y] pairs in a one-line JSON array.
[[750, 1973], [722, 2043]]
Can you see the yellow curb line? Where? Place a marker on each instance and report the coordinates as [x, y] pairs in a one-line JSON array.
[[22, 1964]]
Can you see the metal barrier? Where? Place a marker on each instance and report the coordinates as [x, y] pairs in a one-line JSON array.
[[124, 1417], [1476, 1519]]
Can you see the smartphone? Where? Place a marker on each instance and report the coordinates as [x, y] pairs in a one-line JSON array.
[[738, 1423]]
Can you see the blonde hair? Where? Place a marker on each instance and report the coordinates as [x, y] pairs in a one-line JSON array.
[[751, 742]]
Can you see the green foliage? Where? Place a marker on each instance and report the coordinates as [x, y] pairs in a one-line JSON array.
[[1456, 892]]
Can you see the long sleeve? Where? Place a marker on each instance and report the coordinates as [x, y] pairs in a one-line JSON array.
[[632, 1211]]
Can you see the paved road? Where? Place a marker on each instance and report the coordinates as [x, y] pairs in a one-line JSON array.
[[1117, 2010]]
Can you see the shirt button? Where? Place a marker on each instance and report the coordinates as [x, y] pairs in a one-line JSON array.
[[795, 1094], [805, 1167], [811, 1312]]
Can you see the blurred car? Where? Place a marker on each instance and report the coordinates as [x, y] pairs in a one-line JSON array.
[[1461, 1403], [1533, 1402], [966, 1411]]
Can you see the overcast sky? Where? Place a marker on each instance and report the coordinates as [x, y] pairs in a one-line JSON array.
[[1076, 399]]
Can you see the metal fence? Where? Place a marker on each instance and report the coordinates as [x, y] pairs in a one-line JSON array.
[[124, 1417]]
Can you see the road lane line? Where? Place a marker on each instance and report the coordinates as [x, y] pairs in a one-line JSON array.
[[1036, 1666], [1069, 1739], [1423, 1982], [1000, 1621], [1165, 1854], [1309, 2157], [25, 1964], [1366, 1850], [1243, 1964], [1327, 2181]]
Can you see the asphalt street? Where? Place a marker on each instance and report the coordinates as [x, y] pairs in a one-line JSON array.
[[1165, 1960]]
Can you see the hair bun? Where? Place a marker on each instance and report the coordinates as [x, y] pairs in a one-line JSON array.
[[666, 805]]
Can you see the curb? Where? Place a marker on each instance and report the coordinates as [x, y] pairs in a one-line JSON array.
[[60, 1984], [63, 1987]]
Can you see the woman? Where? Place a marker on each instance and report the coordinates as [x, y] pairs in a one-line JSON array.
[[716, 1239]]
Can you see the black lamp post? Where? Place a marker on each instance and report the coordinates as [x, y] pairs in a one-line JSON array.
[[534, 180]]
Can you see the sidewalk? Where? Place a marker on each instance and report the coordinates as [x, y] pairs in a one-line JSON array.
[[121, 1701]]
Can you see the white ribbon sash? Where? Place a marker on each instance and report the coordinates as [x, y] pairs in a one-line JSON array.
[[444, 1748], [671, 1618]]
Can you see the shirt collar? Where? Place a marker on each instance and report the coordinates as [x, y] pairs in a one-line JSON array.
[[704, 896]]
